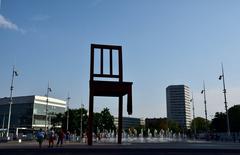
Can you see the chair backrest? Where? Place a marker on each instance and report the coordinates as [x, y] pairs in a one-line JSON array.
[[106, 48]]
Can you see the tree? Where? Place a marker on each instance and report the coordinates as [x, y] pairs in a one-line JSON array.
[[174, 126], [219, 122], [200, 124], [234, 115], [74, 120], [57, 120], [107, 120], [97, 125], [103, 121]]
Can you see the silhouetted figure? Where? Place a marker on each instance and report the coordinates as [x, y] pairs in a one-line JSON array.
[[40, 137], [51, 137], [60, 137], [114, 88]]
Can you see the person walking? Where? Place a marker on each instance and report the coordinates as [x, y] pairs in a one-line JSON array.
[[40, 137], [60, 138], [51, 137]]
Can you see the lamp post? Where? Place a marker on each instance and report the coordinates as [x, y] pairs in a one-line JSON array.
[[194, 121], [14, 73], [81, 122], [222, 77], [3, 121], [48, 90], [68, 99], [205, 104]]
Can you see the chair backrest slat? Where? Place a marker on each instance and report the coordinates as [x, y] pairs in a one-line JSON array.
[[101, 66], [111, 49], [111, 62]]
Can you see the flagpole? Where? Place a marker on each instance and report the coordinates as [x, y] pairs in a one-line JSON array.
[[81, 129], [205, 105], [194, 121], [48, 90], [3, 121], [225, 100], [68, 100], [14, 73]]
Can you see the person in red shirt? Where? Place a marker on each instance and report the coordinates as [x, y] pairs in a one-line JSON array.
[[60, 138]]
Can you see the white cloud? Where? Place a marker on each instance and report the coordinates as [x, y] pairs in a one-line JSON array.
[[7, 24]]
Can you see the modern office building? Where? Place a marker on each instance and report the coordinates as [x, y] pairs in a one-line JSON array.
[[30, 111], [128, 122], [178, 105]]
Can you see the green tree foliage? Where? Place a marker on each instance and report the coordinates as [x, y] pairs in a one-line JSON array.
[[107, 120], [234, 118], [219, 123], [57, 119], [201, 125], [174, 126], [74, 120], [103, 121], [97, 125]]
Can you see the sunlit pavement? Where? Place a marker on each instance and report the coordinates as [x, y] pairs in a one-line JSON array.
[[170, 148]]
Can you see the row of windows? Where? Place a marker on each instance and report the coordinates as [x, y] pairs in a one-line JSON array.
[[40, 109]]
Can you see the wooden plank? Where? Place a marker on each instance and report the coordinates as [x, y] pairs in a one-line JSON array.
[[101, 61], [92, 63], [115, 47], [111, 62], [120, 71], [106, 75], [120, 113]]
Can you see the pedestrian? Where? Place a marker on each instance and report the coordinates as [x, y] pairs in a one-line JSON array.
[[68, 136], [40, 137], [60, 137], [51, 137]]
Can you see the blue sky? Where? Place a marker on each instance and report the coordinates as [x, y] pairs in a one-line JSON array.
[[164, 42]]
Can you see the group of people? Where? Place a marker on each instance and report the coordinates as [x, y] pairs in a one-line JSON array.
[[50, 135]]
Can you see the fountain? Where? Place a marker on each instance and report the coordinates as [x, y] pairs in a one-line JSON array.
[[132, 136]]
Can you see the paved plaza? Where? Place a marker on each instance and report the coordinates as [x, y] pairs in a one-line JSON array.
[[169, 148]]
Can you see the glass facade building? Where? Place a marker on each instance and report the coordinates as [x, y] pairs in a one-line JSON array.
[[30, 111], [178, 105]]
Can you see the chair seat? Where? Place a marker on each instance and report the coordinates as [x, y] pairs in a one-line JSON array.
[[110, 88]]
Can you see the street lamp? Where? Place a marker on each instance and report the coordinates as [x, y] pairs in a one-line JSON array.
[[81, 130], [194, 121], [3, 121], [205, 104], [48, 90], [14, 73], [68, 99], [222, 77]]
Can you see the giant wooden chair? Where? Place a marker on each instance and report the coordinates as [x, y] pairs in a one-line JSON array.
[[114, 88]]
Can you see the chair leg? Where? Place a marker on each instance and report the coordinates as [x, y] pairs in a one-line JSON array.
[[129, 101], [90, 118], [120, 119]]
